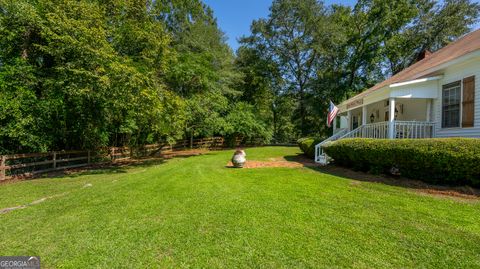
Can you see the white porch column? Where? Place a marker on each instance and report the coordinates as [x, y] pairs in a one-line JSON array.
[[429, 110], [391, 118], [334, 125], [364, 115], [349, 120]]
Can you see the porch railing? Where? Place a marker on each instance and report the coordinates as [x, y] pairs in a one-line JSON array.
[[402, 130], [414, 129]]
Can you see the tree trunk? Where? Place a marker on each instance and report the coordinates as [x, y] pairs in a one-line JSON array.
[[191, 139], [302, 112], [275, 128]]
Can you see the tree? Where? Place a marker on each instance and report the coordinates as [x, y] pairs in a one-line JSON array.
[[287, 36], [261, 87], [431, 26], [202, 70], [243, 124], [93, 76]]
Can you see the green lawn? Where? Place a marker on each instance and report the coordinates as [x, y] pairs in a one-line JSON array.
[[195, 212]]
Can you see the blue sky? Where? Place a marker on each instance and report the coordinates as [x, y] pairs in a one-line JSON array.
[[235, 16]]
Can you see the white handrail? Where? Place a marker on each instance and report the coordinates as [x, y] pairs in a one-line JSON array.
[[320, 156]]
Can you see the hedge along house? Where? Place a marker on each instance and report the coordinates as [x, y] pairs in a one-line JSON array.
[[436, 97]]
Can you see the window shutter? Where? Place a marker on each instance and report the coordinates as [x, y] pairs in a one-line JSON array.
[[468, 104]]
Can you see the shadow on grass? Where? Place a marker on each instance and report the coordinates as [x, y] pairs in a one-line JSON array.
[[301, 158], [417, 185], [107, 168]]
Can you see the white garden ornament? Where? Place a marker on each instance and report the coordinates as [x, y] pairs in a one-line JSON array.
[[239, 158]]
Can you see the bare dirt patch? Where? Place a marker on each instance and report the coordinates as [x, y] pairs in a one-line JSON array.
[[294, 161], [262, 164]]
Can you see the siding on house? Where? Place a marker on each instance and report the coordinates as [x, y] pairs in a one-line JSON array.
[[452, 74]]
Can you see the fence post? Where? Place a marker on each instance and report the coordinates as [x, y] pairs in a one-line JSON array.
[[112, 154], [55, 160], [88, 157], [2, 167]]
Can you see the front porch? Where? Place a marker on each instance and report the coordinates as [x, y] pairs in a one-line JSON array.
[[380, 130], [387, 111], [394, 118]]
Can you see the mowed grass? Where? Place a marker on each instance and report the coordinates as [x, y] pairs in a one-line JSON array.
[[194, 212]]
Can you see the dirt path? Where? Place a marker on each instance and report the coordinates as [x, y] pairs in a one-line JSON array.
[[298, 161], [36, 202]]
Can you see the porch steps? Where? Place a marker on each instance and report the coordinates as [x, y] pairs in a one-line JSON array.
[[320, 156]]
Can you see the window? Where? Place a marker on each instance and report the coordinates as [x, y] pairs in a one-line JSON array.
[[354, 122], [451, 99]]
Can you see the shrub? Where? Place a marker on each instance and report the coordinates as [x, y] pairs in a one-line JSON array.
[[453, 161], [307, 145]]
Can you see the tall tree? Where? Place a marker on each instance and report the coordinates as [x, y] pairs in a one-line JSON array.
[[202, 71], [430, 26], [262, 87], [88, 85], [288, 38]]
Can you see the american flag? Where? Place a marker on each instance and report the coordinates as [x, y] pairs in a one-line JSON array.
[[332, 113]]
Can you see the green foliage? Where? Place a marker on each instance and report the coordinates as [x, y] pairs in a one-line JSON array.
[[242, 123], [436, 24], [307, 145], [20, 109], [205, 114], [93, 75], [88, 74], [287, 40], [259, 87], [447, 161], [201, 70]]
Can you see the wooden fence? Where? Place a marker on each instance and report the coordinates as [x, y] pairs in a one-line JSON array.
[[29, 164], [24, 165], [124, 153]]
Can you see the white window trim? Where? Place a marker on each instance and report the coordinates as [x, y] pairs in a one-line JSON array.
[[461, 107]]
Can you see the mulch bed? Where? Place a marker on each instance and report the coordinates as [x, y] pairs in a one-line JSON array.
[[458, 192]]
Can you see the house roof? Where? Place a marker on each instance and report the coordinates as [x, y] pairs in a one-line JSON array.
[[463, 46]]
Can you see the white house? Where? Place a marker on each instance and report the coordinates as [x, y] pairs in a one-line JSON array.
[[435, 97]]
